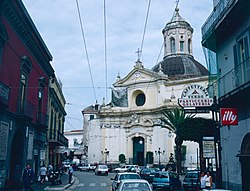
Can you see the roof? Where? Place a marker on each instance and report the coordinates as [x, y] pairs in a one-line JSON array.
[[180, 66]]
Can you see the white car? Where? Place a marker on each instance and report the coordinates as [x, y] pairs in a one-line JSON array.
[[137, 185], [125, 168], [123, 176], [101, 170], [87, 167]]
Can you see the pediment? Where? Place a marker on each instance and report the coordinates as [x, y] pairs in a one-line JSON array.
[[138, 75]]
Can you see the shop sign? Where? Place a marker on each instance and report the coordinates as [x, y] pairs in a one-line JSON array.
[[195, 96], [208, 147], [229, 116]]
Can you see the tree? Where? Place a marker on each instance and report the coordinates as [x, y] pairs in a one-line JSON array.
[[122, 158], [172, 120]]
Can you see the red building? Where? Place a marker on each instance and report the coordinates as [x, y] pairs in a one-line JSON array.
[[25, 72]]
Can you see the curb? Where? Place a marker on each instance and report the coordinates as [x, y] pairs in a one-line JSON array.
[[61, 187]]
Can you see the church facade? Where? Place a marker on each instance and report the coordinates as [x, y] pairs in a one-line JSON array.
[[130, 124]]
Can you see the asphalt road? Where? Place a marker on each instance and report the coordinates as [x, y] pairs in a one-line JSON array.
[[90, 182]]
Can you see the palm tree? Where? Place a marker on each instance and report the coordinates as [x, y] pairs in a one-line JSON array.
[[172, 120]]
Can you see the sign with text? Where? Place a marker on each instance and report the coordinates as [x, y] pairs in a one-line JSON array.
[[208, 147], [229, 116], [195, 95]]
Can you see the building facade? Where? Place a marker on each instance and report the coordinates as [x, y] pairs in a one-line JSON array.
[[130, 124], [225, 35], [55, 133], [76, 146], [25, 76]]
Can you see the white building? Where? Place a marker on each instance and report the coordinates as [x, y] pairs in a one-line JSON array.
[[130, 124]]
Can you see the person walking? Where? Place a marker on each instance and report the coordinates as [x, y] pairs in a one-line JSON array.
[[70, 173], [209, 181], [28, 178], [202, 180], [43, 172]]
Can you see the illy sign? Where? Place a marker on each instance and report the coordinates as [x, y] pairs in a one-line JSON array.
[[229, 116]]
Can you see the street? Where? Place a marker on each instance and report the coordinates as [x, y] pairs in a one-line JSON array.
[[89, 181]]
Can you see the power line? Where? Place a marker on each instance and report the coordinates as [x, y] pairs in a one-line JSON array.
[[145, 26], [85, 46], [105, 47]]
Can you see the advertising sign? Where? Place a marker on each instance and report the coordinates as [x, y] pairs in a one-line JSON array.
[[208, 147], [229, 116], [195, 96]]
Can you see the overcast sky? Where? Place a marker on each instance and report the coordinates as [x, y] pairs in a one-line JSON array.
[[58, 23]]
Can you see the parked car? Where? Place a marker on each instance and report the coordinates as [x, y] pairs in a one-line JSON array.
[[132, 184], [101, 170], [123, 176], [148, 174], [125, 168], [87, 167], [166, 180], [191, 180], [133, 168]]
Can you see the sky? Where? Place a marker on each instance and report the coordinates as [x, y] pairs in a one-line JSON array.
[[74, 62]]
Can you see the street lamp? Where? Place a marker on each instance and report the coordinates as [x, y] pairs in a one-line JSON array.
[[159, 152], [105, 153]]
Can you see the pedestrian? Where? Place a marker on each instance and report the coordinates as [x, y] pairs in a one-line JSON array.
[[209, 181], [28, 178], [70, 171], [43, 172], [203, 180]]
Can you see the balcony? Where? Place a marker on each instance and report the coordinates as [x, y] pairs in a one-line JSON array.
[[58, 139], [235, 80], [4, 95], [62, 139], [26, 109], [42, 118], [216, 16]]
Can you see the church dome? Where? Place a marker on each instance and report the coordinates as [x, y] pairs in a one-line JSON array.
[[178, 61], [177, 22], [180, 67]]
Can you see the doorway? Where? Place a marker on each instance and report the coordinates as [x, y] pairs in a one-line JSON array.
[[138, 151], [245, 162], [16, 161]]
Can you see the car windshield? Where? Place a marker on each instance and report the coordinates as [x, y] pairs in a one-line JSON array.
[[129, 176], [103, 167], [134, 186], [161, 175], [191, 175]]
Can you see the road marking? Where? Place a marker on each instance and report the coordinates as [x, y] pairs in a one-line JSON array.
[[81, 184], [92, 184], [103, 184]]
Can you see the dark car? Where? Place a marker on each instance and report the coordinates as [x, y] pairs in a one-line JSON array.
[[166, 180], [191, 181], [148, 174]]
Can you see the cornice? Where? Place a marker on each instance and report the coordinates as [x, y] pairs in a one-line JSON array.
[[18, 18]]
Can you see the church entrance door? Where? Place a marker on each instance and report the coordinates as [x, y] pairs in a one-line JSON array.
[[138, 151]]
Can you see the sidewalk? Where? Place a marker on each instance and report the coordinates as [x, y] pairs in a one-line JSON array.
[[48, 186]]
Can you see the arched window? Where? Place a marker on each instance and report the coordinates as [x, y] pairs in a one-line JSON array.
[[189, 46], [172, 45]]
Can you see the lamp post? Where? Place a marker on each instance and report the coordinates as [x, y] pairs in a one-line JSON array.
[[105, 153], [159, 152]]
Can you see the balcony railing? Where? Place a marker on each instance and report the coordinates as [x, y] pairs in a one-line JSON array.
[[214, 18], [58, 138], [42, 118], [26, 109], [234, 79], [62, 139]]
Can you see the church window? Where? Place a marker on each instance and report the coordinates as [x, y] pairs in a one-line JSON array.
[[189, 46], [182, 46], [140, 99], [172, 45]]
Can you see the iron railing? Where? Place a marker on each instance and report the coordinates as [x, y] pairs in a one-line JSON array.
[[4, 94], [214, 18], [26, 109], [232, 80]]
